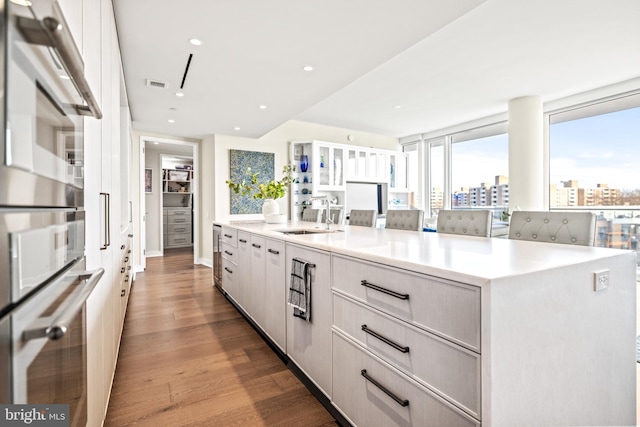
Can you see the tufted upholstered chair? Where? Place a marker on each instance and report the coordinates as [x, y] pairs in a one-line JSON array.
[[363, 218], [336, 215], [312, 215], [401, 219], [465, 222], [573, 228]]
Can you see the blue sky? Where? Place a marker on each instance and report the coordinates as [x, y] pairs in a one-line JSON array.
[[603, 149]]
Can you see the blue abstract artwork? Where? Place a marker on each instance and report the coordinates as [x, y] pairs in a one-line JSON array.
[[239, 161]]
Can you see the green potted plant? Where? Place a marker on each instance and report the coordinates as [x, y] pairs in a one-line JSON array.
[[269, 192]]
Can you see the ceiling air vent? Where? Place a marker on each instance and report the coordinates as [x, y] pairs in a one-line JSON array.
[[157, 83]]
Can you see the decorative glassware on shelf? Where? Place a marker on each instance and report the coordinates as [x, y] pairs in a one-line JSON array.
[[304, 163]]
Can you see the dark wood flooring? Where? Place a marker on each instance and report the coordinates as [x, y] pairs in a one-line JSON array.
[[188, 358]]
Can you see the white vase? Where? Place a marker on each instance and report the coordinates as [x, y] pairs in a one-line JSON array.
[[270, 207]]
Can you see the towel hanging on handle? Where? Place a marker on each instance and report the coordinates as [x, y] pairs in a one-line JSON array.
[[300, 288]]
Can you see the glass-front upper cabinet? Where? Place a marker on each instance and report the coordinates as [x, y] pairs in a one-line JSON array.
[[329, 165], [398, 170]]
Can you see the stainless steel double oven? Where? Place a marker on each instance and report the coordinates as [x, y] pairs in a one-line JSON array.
[[43, 282]]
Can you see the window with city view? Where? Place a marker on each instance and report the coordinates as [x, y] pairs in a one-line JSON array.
[[593, 154], [479, 167], [480, 174]]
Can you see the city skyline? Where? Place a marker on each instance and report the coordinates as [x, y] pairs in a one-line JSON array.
[[593, 150]]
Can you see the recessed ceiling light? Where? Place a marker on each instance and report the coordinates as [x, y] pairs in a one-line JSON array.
[[398, 106], [156, 143], [236, 128], [263, 107], [195, 42], [21, 2], [171, 121], [308, 68], [179, 94]]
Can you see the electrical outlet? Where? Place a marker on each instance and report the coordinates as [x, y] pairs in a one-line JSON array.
[[600, 280]]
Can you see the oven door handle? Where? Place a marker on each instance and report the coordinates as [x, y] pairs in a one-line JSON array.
[[54, 32], [59, 327]]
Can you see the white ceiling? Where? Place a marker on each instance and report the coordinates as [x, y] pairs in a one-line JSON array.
[[441, 62]]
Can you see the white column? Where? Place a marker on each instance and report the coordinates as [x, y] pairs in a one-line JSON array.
[[526, 154]]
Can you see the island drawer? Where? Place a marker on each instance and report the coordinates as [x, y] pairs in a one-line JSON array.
[[444, 367], [372, 393], [449, 309], [229, 274], [230, 236], [229, 252]]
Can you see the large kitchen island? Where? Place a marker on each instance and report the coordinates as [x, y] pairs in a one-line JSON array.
[[427, 329]]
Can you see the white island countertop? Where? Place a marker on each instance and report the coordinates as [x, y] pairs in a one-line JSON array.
[[473, 260]]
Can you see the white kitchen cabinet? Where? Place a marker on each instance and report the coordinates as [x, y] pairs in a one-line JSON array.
[[438, 364], [256, 286], [243, 278], [275, 293], [372, 393], [324, 176], [309, 343], [106, 227], [448, 309]]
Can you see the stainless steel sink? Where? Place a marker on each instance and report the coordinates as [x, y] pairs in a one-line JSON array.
[[305, 231]]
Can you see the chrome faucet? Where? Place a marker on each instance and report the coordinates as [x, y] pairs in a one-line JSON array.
[[328, 221]]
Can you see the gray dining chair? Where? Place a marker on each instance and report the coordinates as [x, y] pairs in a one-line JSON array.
[[404, 219], [573, 228], [363, 218], [465, 222], [311, 215]]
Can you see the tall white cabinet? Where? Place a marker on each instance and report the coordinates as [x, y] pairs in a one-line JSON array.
[[331, 165], [107, 195]]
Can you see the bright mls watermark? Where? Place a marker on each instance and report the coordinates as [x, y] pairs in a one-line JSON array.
[[34, 415]]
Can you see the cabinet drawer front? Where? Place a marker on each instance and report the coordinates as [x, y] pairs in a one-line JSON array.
[[179, 220], [449, 309], [178, 239], [179, 228], [178, 212], [230, 253], [446, 368], [365, 402], [229, 236], [229, 274]]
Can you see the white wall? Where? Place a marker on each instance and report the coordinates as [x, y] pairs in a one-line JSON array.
[[277, 142], [152, 201]]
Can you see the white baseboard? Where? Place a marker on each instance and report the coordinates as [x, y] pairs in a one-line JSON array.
[[154, 254], [205, 262]]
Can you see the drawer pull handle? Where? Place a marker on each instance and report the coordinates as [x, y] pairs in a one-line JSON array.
[[384, 290], [256, 246], [401, 402], [179, 230], [228, 236], [177, 220], [241, 240], [385, 340], [228, 253], [228, 271], [273, 251]]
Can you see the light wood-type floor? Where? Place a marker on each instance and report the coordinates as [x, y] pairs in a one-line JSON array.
[[188, 358]]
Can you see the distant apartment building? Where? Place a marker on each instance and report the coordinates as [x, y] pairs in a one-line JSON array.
[[570, 194], [437, 198], [484, 195]]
